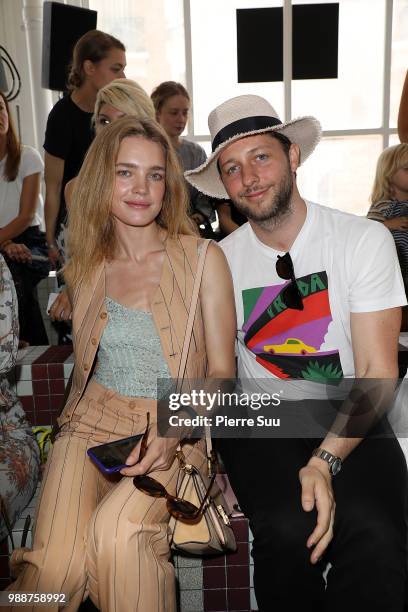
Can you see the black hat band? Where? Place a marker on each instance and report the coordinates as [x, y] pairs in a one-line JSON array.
[[248, 124]]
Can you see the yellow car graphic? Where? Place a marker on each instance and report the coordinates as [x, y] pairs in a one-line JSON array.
[[291, 345]]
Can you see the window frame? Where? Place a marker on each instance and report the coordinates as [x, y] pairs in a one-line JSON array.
[[385, 131]]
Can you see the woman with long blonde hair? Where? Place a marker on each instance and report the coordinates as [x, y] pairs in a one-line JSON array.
[[386, 184], [389, 200], [131, 276]]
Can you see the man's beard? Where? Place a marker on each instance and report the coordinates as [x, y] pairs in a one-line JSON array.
[[273, 211]]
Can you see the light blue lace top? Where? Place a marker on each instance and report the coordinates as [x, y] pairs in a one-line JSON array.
[[130, 356]]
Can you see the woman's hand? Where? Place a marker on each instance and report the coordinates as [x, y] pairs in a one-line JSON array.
[[160, 455], [53, 176], [17, 252], [54, 255], [61, 309]]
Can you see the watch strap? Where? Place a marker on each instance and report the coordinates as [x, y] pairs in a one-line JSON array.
[[332, 460]]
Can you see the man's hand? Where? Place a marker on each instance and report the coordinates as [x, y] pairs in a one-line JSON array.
[[17, 252], [160, 455], [397, 223], [61, 309], [317, 493]]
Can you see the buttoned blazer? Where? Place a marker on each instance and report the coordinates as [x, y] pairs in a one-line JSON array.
[[170, 309]]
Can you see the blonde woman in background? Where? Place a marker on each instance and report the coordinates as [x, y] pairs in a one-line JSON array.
[[390, 205], [389, 199], [118, 99], [131, 270]]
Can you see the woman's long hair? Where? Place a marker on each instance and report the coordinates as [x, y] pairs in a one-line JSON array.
[[390, 161], [13, 148], [91, 228], [126, 96]]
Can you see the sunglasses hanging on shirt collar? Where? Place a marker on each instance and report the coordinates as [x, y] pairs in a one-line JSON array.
[[290, 294]]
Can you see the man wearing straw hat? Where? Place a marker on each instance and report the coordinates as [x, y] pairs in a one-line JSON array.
[[318, 295]]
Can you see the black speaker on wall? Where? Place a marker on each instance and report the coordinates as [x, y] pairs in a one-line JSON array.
[[63, 25]]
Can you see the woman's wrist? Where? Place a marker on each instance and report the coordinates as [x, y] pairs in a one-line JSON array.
[[51, 245]]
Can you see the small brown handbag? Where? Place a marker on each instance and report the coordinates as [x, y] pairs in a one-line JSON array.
[[212, 533]]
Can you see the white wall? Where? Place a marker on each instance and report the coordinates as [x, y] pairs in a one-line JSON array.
[[13, 38], [21, 35]]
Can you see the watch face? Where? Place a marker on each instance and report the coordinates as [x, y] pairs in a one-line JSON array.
[[335, 467]]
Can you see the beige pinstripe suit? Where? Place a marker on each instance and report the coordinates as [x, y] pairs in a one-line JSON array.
[[95, 534]]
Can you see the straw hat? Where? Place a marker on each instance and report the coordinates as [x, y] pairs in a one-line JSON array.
[[243, 116]]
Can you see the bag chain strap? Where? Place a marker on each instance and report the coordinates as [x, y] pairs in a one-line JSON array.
[[211, 457]]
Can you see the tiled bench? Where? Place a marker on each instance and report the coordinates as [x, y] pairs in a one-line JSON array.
[[41, 374], [216, 584]]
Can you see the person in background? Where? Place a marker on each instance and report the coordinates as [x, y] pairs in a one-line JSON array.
[[98, 58], [121, 97], [389, 200], [229, 217], [118, 99], [403, 113], [172, 104], [133, 260], [19, 452], [20, 220]]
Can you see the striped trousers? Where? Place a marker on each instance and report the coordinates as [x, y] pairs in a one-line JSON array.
[[98, 535]]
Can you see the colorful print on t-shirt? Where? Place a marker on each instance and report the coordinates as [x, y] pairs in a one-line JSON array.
[[288, 342]]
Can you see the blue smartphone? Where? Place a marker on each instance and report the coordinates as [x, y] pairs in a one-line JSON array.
[[111, 457]]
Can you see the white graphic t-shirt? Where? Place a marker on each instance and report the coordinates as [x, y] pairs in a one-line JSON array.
[[343, 264]]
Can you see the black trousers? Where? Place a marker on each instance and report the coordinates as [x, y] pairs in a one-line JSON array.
[[369, 550], [32, 328], [26, 278]]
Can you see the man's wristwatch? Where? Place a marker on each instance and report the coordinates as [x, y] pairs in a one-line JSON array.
[[334, 462]]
